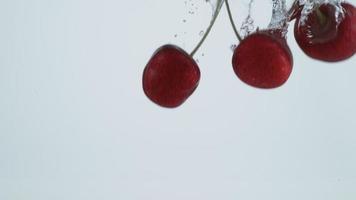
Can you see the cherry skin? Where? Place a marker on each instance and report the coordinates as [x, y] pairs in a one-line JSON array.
[[263, 60], [322, 37], [170, 76]]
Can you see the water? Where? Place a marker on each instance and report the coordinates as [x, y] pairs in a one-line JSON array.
[[310, 5], [279, 14], [248, 26], [279, 19]]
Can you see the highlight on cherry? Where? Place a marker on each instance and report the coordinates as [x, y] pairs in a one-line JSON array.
[[325, 30]]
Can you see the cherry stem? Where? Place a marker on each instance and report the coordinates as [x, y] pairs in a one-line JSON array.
[[232, 21], [321, 16], [292, 11], [212, 22]]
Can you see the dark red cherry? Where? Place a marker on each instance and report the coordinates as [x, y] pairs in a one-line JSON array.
[[170, 76], [322, 37], [263, 60]]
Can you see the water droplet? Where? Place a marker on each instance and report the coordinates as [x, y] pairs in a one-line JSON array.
[[233, 47]]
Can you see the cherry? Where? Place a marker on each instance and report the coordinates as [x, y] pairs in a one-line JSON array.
[[263, 60], [322, 37], [170, 76]]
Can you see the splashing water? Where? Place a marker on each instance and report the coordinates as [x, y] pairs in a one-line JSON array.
[[279, 14], [310, 5], [279, 19], [247, 26]]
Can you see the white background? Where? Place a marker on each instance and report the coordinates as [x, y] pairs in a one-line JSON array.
[[75, 124]]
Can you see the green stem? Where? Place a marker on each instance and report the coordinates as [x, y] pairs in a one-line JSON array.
[[232, 20], [215, 16]]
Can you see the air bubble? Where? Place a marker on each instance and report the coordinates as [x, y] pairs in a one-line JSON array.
[[233, 47]]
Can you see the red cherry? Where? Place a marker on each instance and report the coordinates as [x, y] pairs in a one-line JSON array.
[[322, 38], [263, 60], [170, 76]]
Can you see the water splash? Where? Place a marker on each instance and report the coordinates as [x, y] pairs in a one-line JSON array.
[[248, 26], [279, 14], [279, 19], [310, 5]]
